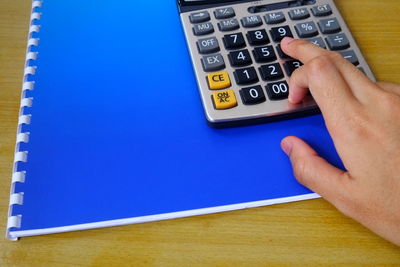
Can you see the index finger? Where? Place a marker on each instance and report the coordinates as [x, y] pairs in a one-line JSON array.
[[302, 50]]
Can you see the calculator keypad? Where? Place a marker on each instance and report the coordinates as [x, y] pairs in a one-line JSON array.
[[203, 29], [278, 33], [275, 18], [228, 25], [243, 70], [213, 62], [246, 76], [259, 37], [252, 21], [240, 58]]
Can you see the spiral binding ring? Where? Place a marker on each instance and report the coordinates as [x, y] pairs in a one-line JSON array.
[[17, 198]]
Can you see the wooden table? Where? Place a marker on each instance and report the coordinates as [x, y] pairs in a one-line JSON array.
[[310, 232]]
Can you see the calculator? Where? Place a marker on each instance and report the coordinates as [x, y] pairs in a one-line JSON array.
[[241, 71]]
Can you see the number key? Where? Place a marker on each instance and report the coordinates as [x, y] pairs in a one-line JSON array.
[[233, 41], [246, 76], [278, 90], [271, 72], [291, 66], [264, 54], [282, 54], [278, 33], [252, 95], [240, 58], [259, 37]]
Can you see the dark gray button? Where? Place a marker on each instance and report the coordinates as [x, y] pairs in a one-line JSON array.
[[275, 18], [251, 21], [317, 41], [322, 10], [199, 17], [224, 13], [208, 45], [213, 62], [306, 29], [338, 42], [299, 13], [203, 29], [350, 56], [329, 26], [228, 25]]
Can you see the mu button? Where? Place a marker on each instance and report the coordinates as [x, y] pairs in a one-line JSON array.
[[224, 99], [219, 80]]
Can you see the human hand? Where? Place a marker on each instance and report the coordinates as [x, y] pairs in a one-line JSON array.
[[363, 119]]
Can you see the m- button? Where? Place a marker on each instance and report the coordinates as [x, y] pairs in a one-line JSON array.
[[218, 80]]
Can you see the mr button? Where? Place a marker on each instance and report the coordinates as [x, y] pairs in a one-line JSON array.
[[224, 99], [218, 80]]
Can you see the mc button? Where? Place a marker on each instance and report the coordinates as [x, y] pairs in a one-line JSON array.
[[219, 80], [224, 99]]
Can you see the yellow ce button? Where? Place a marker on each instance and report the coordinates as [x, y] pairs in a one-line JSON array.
[[218, 80]]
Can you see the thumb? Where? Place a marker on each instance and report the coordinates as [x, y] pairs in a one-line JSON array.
[[313, 171]]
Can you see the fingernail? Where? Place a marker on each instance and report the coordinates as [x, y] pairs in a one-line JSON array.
[[286, 146], [288, 40]]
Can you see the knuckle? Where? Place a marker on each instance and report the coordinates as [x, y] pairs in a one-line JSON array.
[[360, 124], [300, 170], [335, 56], [390, 102], [319, 65]]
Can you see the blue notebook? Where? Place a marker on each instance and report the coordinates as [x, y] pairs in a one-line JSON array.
[[112, 130]]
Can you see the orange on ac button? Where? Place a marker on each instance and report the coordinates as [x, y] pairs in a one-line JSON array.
[[224, 99]]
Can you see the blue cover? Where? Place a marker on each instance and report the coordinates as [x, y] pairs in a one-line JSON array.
[[118, 129]]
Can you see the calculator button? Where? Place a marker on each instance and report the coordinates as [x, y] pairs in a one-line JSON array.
[[278, 33], [322, 10], [338, 42], [224, 99], [317, 41], [213, 62], [299, 13], [259, 37], [291, 66], [350, 56], [271, 72], [203, 29], [224, 13], [199, 17], [251, 21], [228, 25], [278, 90], [233, 41], [275, 18], [218, 80], [208, 45], [281, 54], [253, 95], [264, 54], [329, 26], [306, 29], [240, 58], [246, 76]]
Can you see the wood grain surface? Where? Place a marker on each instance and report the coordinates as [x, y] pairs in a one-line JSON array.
[[304, 233]]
